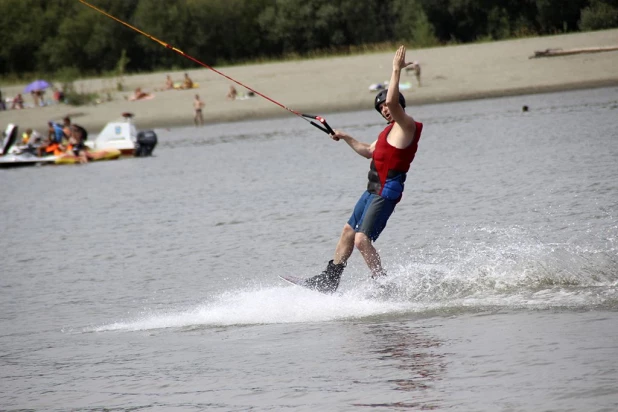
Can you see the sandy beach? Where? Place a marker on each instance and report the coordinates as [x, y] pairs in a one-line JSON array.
[[323, 86]]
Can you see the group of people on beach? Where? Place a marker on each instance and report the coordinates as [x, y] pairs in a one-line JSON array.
[[38, 99], [186, 84]]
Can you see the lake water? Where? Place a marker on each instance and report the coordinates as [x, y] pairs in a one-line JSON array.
[[152, 284]]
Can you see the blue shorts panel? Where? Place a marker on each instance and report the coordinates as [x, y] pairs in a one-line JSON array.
[[371, 214]]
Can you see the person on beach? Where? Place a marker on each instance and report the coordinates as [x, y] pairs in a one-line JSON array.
[[58, 95], [232, 93], [139, 94], [187, 83], [169, 83], [35, 97], [391, 154], [18, 102], [198, 104], [416, 68]]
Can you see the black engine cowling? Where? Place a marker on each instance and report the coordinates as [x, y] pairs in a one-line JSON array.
[[146, 142]]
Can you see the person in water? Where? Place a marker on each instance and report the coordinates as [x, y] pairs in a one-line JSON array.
[[391, 155], [79, 135]]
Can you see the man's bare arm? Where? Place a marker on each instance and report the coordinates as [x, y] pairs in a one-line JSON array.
[[363, 149], [403, 120]]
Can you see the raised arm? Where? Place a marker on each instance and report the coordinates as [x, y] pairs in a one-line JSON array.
[[402, 135]]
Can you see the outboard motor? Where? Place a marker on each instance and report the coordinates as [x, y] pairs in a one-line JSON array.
[[146, 142]]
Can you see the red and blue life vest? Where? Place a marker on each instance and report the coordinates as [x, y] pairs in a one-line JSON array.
[[389, 165]]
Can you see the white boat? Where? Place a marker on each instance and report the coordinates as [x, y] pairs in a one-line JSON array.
[[123, 135], [24, 157]]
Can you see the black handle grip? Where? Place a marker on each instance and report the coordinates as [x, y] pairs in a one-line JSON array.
[[325, 127], [319, 127]]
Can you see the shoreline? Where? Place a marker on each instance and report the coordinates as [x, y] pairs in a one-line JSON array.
[[339, 84]]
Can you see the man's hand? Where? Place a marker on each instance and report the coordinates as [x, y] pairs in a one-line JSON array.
[[399, 61], [338, 135]]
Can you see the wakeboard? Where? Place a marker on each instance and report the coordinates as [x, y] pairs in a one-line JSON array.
[[295, 281], [303, 283]]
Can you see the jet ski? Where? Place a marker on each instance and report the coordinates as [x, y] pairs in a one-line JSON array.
[[19, 156]]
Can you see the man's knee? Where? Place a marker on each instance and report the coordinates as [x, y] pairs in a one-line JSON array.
[[361, 241], [347, 236], [348, 231]]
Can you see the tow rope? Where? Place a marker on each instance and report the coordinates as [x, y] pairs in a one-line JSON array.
[[323, 126]]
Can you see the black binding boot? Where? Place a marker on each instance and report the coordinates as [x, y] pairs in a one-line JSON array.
[[327, 281]]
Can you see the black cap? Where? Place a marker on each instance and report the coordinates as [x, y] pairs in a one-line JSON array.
[[381, 98]]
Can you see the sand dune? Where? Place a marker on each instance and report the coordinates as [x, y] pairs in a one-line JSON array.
[[328, 85]]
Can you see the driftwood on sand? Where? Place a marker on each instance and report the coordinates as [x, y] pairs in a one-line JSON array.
[[561, 52]]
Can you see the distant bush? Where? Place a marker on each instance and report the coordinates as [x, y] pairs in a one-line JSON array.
[[75, 98], [598, 16], [498, 25], [66, 76]]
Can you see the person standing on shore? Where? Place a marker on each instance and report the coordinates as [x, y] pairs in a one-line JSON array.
[[416, 68], [169, 83], [198, 104], [232, 93], [391, 154]]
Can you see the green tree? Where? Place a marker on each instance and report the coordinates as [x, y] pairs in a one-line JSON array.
[[290, 25], [599, 15], [498, 25], [412, 24], [168, 24], [25, 28], [68, 37], [556, 16], [226, 30]]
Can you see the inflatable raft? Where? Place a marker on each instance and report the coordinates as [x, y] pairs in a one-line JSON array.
[[93, 156]]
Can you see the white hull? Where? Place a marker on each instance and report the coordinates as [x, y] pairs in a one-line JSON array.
[[24, 159]]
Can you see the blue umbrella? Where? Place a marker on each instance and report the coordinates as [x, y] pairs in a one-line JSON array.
[[36, 85]]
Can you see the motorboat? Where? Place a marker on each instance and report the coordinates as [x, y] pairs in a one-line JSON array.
[[14, 155], [23, 155], [118, 138], [123, 135], [25, 159]]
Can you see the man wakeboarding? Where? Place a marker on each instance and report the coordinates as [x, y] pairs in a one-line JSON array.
[[391, 155]]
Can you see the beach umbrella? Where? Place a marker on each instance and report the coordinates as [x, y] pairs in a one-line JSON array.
[[36, 85]]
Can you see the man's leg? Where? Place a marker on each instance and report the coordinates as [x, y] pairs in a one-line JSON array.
[[328, 280], [375, 217], [345, 246], [370, 254]]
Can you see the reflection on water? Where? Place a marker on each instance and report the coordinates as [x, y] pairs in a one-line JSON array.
[[411, 354]]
